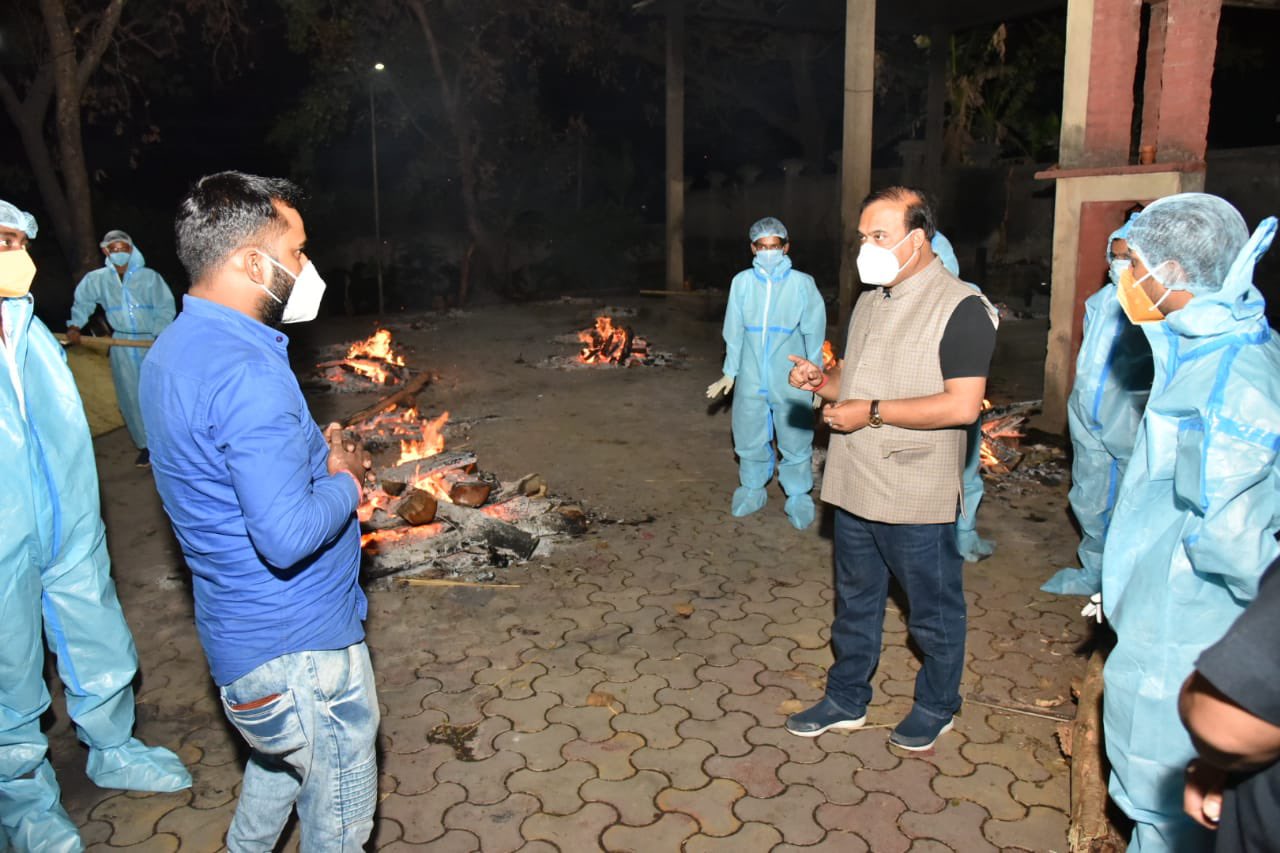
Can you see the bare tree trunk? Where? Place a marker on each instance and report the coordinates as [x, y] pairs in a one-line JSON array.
[[675, 145], [28, 117]]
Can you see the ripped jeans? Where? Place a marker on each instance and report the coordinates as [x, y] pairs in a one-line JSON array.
[[311, 719]]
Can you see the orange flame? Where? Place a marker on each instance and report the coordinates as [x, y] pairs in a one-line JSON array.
[[431, 443], [828, 356], [606, 342], [375, 348]]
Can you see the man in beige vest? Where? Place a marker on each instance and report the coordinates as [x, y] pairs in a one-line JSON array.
[[912, 379]]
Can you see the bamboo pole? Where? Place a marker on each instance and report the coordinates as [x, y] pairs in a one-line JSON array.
[[102, 343]]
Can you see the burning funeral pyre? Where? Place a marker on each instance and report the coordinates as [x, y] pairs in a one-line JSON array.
[[368, 365], [432, 512], [607, 342], [1001, 432]]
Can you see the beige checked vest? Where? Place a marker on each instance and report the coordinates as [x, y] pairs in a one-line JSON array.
[[893, 474]]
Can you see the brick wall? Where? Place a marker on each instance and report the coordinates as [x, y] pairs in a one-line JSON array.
[[1113, 63], [1191, 43]]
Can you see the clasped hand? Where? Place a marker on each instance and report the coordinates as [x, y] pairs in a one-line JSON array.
[[346, 455]]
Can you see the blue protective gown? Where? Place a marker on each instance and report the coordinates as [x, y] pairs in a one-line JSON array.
[[55, 576], [1113, 380], [138, 308], [1192, 531], [770, 317], [971, 546]]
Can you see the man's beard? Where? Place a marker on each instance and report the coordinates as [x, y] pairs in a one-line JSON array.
[[271, 310]]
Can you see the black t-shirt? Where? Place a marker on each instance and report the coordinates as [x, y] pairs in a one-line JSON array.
[[968, 341], [1245, 666]]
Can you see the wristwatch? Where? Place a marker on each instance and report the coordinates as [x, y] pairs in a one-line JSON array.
[[874, 420]]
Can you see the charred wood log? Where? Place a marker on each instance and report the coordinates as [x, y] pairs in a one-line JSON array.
[[395, 479], [405, 396], [474, 524], [416, 507]]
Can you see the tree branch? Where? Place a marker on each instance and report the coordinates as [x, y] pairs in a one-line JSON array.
[[98, 45]]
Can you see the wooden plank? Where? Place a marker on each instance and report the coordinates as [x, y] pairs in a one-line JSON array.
[[404, 396], [103, 343], [407, 473]]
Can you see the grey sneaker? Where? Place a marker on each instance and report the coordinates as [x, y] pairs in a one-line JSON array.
[[823, 717]]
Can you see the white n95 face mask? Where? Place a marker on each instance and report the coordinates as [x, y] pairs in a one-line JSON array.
[[878, 265], [304, 299]]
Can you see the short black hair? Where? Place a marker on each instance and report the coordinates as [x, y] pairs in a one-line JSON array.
[[226, 211], [919, 212]]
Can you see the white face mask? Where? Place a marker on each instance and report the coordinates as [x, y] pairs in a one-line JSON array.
[[304, 299], [878, 265]]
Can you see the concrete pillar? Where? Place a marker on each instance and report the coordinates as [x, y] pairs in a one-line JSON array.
[[855, 163], [1153, 77]]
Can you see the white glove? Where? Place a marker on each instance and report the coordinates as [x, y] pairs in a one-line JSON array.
[[723, 385], [1094, 608]]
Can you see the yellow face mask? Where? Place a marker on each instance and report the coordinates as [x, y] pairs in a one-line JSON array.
[[1137, 306], [16, 273]]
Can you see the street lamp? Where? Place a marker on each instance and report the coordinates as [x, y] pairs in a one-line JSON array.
[[377, 210]]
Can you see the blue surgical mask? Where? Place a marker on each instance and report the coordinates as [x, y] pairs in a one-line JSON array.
[[1118, 266], [768, 259], [119, 259]]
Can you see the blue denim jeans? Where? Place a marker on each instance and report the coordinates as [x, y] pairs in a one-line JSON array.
[[924, 559], [311, 720]]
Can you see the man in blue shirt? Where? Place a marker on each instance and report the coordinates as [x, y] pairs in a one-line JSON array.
[[139, 306], [263, 505]]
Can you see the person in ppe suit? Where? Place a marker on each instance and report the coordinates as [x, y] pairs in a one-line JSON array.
[[139, 306], [774, 312], [56, 578], [1194, 525], [972, 546], [1113, 379]]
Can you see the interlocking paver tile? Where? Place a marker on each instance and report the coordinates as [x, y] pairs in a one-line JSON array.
[[215, 746], [947, 755], [421, 817], [511, 682], [988, 786], [667, 833], [572, 687], [592, 724], [959, 826], [808, 633], [739, 677], [928, 845], [718, 651], [408, 734], [622, 600], [406, 700], [133, 816], [485, 781], [702, 702], [96, 832], [1054, 792], [557, 789], [833, 776], [541, 750], [680, 673], [870, 745], [819, 657], [711, 806], [681, 764], [1041, 829], [1013, 752], [774, 655], [725, 733], [779, 611], [662, 644], [619, 665], [560, 660], [791, 812], [808, 592], [757, 771], [611, 758], [460, 709], [633, 798], [481, 738], [802, 750], [657, 729], [415, 773], [767, 706], [507, 654], [973, 723], [832, 842], [213, 787], [455, 676], [497, 825], [198, 829], [526, 715], [578, 831], [751, 836], [636, 696], [875, 820], [908, 782], [604, 638], [695, 626]]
